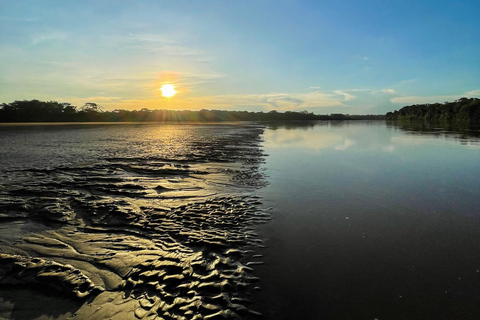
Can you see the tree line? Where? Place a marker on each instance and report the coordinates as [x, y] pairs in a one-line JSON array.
[[463, 109], [52, 111]]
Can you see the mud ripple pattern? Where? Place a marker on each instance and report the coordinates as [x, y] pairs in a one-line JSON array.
[[144, 234]]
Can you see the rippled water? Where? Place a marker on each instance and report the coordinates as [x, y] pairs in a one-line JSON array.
[[129, 221]]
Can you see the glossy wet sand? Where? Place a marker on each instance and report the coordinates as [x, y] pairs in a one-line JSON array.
[[129, 222]]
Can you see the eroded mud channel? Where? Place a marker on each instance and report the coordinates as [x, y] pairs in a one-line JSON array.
[[163, 229]]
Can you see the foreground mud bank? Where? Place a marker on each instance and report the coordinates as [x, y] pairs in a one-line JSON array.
[[138, 232]]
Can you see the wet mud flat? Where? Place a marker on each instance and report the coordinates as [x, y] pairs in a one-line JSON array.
[[131, 223]]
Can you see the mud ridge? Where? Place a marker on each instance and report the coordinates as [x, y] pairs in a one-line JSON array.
[[156, 236]]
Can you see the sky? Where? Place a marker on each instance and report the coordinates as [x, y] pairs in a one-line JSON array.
[[324, 56]]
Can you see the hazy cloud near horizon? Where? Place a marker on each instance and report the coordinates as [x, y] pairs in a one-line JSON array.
[[377, 102]]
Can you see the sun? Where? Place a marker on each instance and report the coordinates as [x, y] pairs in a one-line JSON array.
[[168, 90]]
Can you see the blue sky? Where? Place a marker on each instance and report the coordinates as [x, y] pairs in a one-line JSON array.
[[354, 57]]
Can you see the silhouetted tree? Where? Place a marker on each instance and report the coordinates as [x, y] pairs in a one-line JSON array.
[[463, 109], [52, 111], [91, 106]]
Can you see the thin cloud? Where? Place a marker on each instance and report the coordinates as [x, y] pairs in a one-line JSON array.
[[424, 99], [404, 83], [346, 96], [434, 99], [284, 100], [48, 36], [388, 91], [408, 81], [148, 37], [259, 102], [474, 93], [104, 99], [159, 44]]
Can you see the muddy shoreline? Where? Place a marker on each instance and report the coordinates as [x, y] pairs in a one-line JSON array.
[[155, 232]]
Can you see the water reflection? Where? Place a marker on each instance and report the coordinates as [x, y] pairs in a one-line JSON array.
[[372, 221], [335, 135], [309, 139], [295, 124], [465, 134], [341, 135]]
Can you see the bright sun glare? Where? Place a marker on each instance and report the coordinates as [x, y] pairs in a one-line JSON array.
[[168, 90]]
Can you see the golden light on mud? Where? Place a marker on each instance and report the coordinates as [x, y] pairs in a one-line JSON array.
[[168, 90]]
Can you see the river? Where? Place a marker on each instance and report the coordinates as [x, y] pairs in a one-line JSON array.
[[323, 220]]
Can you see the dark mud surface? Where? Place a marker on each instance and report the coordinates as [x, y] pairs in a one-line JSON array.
[[125, 222]]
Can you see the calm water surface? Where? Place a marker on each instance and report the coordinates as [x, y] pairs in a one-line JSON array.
[[368, 221], [372, 221]]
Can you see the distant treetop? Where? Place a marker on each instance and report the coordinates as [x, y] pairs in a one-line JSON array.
[[463, 109], [52, 111]]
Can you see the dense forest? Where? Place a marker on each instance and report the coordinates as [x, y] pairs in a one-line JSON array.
[[463, 109], [52, 111]]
